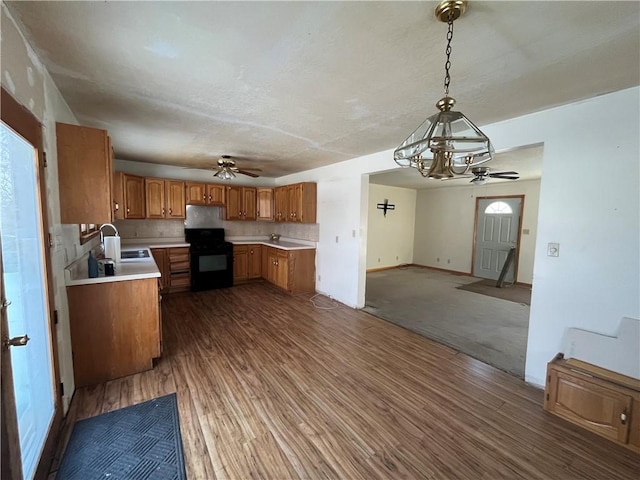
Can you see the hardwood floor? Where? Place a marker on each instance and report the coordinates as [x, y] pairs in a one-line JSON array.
[[270, 387]]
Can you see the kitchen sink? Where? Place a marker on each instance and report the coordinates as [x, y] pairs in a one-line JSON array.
[[134, 254]]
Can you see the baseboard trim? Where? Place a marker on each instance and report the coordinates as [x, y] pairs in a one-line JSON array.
[[380, 269], [453, 272]]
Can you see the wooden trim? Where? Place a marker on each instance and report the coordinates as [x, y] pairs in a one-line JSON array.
[[27, 125], [475, 232], [453, 272], [380, 269]]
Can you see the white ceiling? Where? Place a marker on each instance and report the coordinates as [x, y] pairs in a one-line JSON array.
[[289, 86]]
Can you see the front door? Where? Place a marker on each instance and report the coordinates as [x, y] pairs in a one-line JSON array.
[[497, 227], [30, 405]]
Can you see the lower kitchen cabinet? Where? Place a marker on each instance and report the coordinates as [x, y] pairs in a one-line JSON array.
[[115, 329], [604, 402], [291, 270], [175, 268], [247, 263]]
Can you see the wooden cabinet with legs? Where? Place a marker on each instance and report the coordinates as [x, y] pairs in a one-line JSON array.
[[291, 270], [241, 203], [164, 198], [115, 329], [604, 402], [85, 174], [134, 197]]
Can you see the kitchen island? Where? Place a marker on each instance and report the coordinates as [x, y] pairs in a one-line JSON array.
[[116, 323]]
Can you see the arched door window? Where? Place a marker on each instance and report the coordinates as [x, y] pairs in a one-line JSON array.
[[499, 208]]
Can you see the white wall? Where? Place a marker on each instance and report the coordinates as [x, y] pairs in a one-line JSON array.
[[26, 79], [589, 203], [390, 237], [444, 225]]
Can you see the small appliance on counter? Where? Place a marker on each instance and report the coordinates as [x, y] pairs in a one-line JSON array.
[[274, 237], [111, 245]]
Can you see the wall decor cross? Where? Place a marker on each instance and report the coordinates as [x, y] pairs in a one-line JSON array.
[[386, 206]]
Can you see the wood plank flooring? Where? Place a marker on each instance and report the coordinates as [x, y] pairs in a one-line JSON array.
[[270, 387]]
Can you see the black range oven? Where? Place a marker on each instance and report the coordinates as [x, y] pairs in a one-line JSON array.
[[211, 258]]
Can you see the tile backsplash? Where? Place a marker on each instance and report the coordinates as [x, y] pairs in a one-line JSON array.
[[175, 229]]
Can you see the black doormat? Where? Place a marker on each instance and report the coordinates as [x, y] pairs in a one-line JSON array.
[[513, 293], [134, 443]]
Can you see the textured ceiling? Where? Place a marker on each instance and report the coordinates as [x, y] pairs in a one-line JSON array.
[[288, 86]]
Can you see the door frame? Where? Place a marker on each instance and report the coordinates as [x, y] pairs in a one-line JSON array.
[[23, 122], [475, 232]]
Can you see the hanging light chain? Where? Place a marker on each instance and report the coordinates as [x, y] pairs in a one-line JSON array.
[[447, 65]]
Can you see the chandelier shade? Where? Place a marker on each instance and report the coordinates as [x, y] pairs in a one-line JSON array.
[[447, 143]]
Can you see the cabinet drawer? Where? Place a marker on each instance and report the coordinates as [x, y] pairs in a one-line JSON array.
[[180, 280], [178, 267]]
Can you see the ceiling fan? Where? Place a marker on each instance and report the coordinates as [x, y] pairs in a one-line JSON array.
[[482, 175], [226, 169]]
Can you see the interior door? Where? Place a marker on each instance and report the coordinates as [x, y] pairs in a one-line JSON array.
[[29, 393], [497, 227]]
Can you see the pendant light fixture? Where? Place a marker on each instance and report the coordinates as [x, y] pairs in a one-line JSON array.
[[448, 143]]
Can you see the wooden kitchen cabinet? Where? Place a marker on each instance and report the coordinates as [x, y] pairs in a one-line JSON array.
[[296, 203], [240, 264], [241, 203], [115, 329], [205, 194], [134, 198], [160, 257], [179, 262], [302, 203], [175, 268], [196, 193], [604, 402], [164, 198], [215, 194], [291, 270], [85, 174], [264, 201], [247, 262], [118, 196], [281, 204]]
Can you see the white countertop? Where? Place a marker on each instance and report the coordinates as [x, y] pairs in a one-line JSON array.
[[131, 269], [282, 244]]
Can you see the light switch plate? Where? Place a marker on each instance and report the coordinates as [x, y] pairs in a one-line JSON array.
[[553, 250]]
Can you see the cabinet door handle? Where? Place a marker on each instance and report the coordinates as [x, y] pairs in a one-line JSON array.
[[116, 206], [127, 209], [204, 197], [163, 211], [623, 417], [170, 212], [209, 198]]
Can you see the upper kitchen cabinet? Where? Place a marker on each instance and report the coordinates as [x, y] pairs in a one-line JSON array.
[[302, 207], [281, 206], [164, 198], [264, 204], [241, 203], [198, 193], [118, 196], [85, 174], [296, 203], [134, 200]]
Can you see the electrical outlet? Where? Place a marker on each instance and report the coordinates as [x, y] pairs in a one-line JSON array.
[[353, 233], [319, 277], [553, 250], [378, 259], [396, 257], [336, 238], [448, 260], [438, 259]]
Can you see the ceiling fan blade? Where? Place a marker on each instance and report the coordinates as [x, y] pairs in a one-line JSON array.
[[504, 177], [503, 173], [245, 172]]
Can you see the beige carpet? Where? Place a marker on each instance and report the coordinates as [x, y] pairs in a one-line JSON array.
[[428, 302]]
